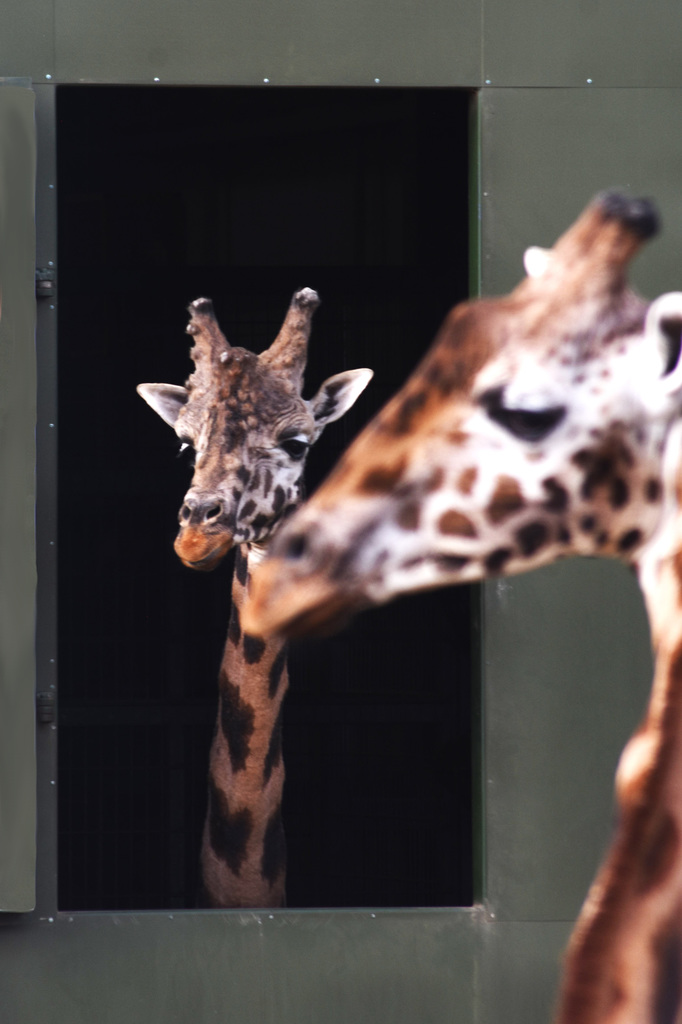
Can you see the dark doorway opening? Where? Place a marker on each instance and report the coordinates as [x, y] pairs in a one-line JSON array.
[[245, 195]]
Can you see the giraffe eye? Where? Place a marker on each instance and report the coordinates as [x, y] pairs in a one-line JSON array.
[[526, 424], [294, 447]]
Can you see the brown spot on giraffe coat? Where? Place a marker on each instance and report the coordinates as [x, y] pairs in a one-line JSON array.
[[455, 523], [557, 495], [229, 830], [254, 648], [532, 537], [506, 500], [382, 479], [274, 753], [236, 721], [467, 479], [497, 559], [629, 540], [273, 862], [408, 515]]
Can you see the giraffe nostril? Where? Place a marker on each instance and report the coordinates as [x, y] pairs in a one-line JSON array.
[[212, 513], [296, 547], [185, 513]]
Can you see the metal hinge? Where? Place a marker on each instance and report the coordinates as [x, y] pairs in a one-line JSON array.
[[46, 282], [46, 705]]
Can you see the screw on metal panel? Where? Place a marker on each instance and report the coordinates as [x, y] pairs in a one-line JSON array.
[[45, 707]]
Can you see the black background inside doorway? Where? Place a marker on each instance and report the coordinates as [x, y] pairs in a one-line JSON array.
[[245, 195]]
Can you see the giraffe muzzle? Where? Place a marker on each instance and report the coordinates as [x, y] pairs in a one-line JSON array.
[[315, 607], [200, 550]]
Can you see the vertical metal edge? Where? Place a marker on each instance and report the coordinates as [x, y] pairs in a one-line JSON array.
[[478, 802], [17, 471], [46, 498], [477, 605], [475, 195]]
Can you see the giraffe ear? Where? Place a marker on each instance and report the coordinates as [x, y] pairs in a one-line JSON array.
[[536, 260], [337, 395], [663, 328], [165, 399]]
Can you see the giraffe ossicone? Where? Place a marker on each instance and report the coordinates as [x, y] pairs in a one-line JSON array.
[[250, 429], [543, 424]]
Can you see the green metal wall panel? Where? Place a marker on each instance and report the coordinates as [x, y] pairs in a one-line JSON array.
[[17, 499], [567, 663], [605, 43], [566, 678], [27, 39], [448, 42], [299, 42], [241, 968], [46, 498]]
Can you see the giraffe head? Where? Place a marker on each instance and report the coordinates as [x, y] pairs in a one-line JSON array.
[[250, 429], [535, 428]]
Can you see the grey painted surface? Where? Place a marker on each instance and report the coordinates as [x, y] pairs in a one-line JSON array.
[[567, 673], [27, 39], [252, 968], [609, 43], [294, 43], [47, 429], [450, 42], [17, 499]]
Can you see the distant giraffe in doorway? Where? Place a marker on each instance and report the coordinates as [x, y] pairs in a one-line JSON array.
[[543, 424], [250, 429]]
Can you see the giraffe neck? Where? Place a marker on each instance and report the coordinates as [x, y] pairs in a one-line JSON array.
[[631, 923], [243, 848]]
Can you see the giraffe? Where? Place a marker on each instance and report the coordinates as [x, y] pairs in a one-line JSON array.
[[542, 424], [250, 429]]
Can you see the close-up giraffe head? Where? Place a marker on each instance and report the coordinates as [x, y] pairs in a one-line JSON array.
[[250, 429], [535, 428]]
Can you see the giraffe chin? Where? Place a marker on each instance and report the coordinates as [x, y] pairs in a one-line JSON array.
[[308, 608], [197, 551]]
